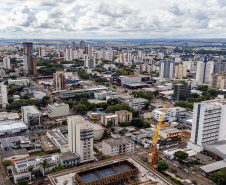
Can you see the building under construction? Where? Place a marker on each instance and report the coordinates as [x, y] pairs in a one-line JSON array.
[[112, 174]]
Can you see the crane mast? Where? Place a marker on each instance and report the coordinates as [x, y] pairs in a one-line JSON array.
[[153, 152]]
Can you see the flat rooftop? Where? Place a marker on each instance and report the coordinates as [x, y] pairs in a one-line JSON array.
[[119, 141], [32, 109], [8, 115]]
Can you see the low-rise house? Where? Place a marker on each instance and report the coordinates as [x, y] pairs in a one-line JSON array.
[[69, 159], [113, 147], [170, 134], [57, 110], [157, 113], [109, 118], [124, 116]]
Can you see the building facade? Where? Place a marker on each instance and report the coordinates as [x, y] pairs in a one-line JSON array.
[[59, 81], [109, 118], [57, 110], [31, 116], [113, 147], [181, 91], [29, 61], [124, 116], [3, 95], [166, 69], [204, 71], [208, 125], [80, 137], [219, 80]]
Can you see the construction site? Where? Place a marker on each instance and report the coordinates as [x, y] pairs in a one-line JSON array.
[[126, 170], [116, 173]]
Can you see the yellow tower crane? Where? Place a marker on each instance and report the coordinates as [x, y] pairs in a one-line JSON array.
[[153, 152]]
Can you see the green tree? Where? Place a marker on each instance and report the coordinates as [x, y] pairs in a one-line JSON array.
[[162, 165], [104, 157], [219, 177], [156, 93], [124, 124], [180, 155], [106, 134], [80, 108], [64, 122], [6, 163], [202, 87], [30, 169], [44, 164], [22, 182]]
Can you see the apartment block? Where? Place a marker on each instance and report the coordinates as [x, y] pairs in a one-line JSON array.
[[3, 95], [181, 91], [118, 146], [59, 80], [219, 80], [172, 114], [110, 117], [80, 137], [124, 116], [208, 125]]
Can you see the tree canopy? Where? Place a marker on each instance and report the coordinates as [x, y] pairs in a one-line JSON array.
[[162, 165]]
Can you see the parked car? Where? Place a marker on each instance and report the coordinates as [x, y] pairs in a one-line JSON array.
[[175, 165], [31, 182]]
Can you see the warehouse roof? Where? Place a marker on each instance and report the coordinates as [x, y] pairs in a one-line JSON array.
[[214, 166], [12, 125]]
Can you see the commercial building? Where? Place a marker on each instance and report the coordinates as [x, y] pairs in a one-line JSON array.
[[90, 63], [20, 82], [29, 60], [69, 159], [102, 95], [181, 91], [204, 71], [138, 103], [166, 69], [170, 134], [130, 79], [172, 114], [80, 137], [82, 45], [219, 80], [10, 127], [109, 118], [3, 96], [71, 94], [124, 116], [57, 110], [31, 116], [6, 63], [8, 116], [59, 80], [157, 113], [113, 147], [208, 124]]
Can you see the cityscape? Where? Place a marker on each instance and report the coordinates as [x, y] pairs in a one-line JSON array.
[[107, 94]]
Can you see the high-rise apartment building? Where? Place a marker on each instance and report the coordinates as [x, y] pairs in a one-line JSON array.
[[90, 63], [59, 80], [166, 69], [219, 80], [30, 64], [181, 91], [90, 51], [3, 95], [180, 71], [6, 63], [204, 71], [82, 45], [144, 67], [219, 66], [42, 51], [80, 137], [73, 46], [68, 54], [208, 124]]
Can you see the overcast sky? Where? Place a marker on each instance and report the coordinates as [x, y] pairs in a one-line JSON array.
[[75, 19]]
